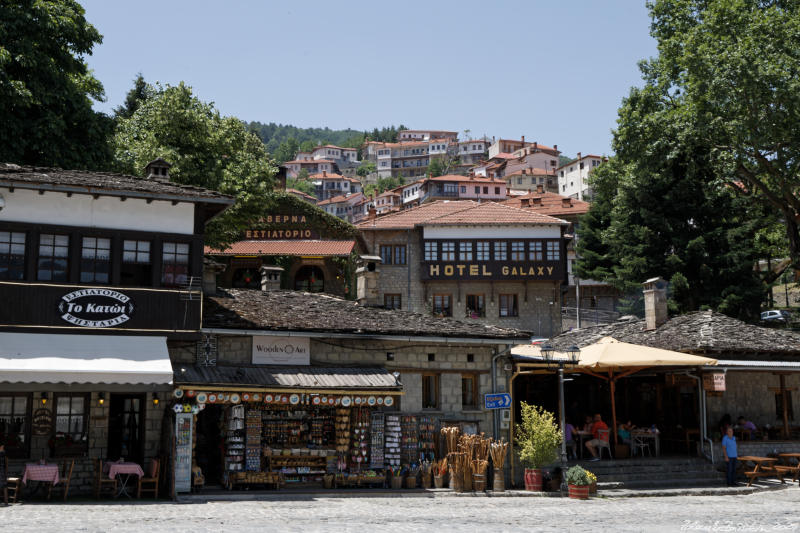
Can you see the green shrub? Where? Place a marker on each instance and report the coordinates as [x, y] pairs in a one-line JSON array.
[[577, 476], [538, 437]]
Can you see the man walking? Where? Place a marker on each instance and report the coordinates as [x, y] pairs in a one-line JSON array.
[[730, 453]]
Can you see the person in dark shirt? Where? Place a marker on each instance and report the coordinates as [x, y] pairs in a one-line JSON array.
[[4, 473]]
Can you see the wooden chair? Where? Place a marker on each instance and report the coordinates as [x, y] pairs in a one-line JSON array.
[[151, 479], [66, 476], [13, 485], [102, 482]]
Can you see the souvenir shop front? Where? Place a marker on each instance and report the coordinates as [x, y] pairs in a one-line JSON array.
[[347, 434]]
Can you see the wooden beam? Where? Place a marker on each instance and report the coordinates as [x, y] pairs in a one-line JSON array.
[[786, 432]]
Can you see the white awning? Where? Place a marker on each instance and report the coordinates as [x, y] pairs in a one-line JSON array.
[[45, 358]]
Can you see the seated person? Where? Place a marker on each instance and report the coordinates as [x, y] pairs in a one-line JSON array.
[[624, 432], [587, 424], [569, 438], [596, 441], [746, 426]]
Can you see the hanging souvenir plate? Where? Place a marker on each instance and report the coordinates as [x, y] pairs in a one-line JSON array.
[[190, 393], [337, 401], [195, 409], [324, 400], [257, 397], [201, 406], [234, 398], [268, 398], [371, 400], [346, 401], [358, 400], [178, 393], [380, 400], [294, 399], [178, 408], [202, 397], [284, 399], [388, 401], [187, 408], [316, 400], [246, 397]]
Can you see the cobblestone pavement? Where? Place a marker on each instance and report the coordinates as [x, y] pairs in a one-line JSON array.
[[765, 511]]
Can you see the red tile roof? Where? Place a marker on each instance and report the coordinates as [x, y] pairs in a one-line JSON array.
[[495, 214], [504, 155], [457, 212], [467, 179], [581, 159], [342, 198], [327, 248], [308, 161], [301, 194], [531, 172], [331, 176], [551, 204]]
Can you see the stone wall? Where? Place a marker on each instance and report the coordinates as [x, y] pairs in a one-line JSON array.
[[748, 394]]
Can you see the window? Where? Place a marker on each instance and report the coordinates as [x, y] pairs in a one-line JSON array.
[[477, 190], [392, 301], [469, 391], [463, 189], [482, 251], [53, 257], [12, 255], [552, 251], [581, 166], [535, 251], [465, 251], [486, 190], [431, 251], [508, 305], [95, 260], [517, 251], [497, 190], [71, 427], [309, 279], [442, 305], [400, 255], [448, 251], [174, 264], [519, 181], [430, 391], [476, 305], [15, 427], [779, 406], [500, 251], [386, 254]]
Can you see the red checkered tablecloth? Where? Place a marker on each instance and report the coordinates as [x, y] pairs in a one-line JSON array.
[[114, 469], [37, 472]]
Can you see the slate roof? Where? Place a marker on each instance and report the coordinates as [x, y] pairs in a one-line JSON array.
[[700, 332], [282, 310], [274, 376], [105, 183], [264, 247]]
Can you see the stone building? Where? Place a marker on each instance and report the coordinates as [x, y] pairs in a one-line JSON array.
[[99, 279], [481, 262], [444, 366]]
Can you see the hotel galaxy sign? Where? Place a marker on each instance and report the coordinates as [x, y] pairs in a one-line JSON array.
[[492, 271]]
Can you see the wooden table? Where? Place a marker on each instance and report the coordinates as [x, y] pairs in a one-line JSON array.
[[788, 467], [43, 473], [582, 437], [764, 467], [647, 434]]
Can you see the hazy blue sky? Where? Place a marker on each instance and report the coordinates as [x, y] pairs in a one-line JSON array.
[[554, 71]]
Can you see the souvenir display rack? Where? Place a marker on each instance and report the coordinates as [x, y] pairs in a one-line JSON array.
[[252, 452], [393, 436], [377, 421], [427, 438], [234, 440], [410, 447]]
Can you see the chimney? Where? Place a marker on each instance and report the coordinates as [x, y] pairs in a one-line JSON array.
[[523, 140], [537, 200], [210, 271], [324, 173], [540, 188], [565, 202], [535, 146], [525, 202], [372, 213], [555, 147], [270, 277], [157, 168], [524, 171], [655, 303], [367, 277], [579, 156]]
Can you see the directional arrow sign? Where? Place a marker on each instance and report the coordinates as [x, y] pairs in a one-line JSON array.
[[500, 400]]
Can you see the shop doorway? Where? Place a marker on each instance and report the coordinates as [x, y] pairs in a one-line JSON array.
[[209, 449], [309, 279], [126, 427]]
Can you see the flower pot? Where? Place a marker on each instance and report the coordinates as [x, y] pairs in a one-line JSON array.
[[439, 481], [593, 487], [533, 479], [579, 492], [499, 482], [397, 482]]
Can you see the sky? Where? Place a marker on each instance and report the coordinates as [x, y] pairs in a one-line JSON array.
[[553, 71]]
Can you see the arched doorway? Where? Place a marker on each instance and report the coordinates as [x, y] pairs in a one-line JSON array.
[[309, 279], [246, 278]]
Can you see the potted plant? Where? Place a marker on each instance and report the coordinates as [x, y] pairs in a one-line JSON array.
[[592, 482], [538, 439], [578, 481]]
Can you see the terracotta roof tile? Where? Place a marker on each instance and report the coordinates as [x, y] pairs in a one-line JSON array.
[[531, 172], [493, 213], [327, 248], [309, 161], [342, 198], [410, 218], [551, 204], [467, 179]]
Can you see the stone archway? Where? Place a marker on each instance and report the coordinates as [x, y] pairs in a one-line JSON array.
[[309, 278]]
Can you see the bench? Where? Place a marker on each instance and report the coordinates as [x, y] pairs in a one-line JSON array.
[[762, 472], [785, 471]]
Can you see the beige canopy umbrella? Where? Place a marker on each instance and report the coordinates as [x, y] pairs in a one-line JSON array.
[[619, 359]]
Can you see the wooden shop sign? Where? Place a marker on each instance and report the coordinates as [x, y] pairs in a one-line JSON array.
[[281, 350], [42, 422], [284, 227], [714, 381]]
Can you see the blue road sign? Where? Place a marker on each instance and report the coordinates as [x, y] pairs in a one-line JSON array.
[[500, 400]]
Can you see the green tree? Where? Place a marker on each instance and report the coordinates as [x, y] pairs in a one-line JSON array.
[[436, 168], [135, 97], [46, 88], [537, 437], [730, 68], [366, 168], [301, 184], [659, 210], [205, 149], [286, 151]]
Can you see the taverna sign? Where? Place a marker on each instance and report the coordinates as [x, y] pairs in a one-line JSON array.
[[95, 308]]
